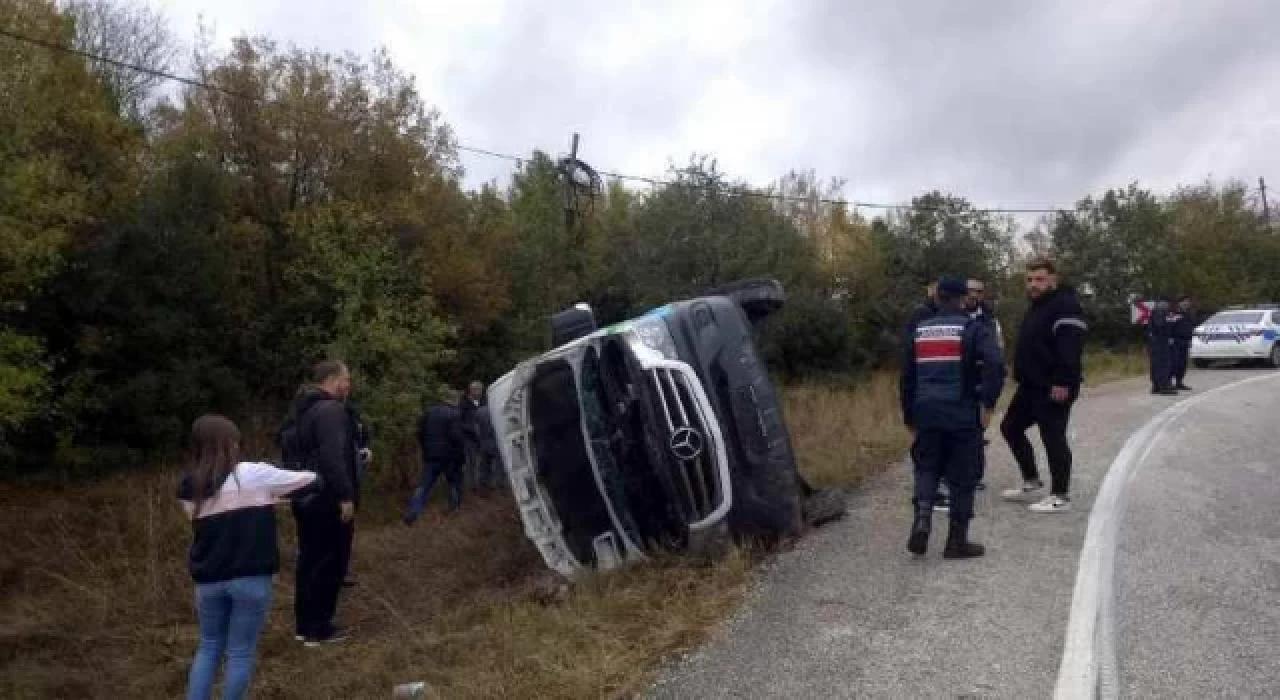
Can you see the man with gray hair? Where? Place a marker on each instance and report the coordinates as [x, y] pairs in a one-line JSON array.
[[476, 471]]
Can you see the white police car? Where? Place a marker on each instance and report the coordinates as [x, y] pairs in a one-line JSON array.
[[1239, 333]]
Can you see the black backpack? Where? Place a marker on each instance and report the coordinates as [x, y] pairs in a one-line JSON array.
[[294, 455]]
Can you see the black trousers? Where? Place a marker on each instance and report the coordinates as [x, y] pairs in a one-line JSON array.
[[344, 547], [324, 545], [1032, 406], [953, 455], [1160, 356], [1181, 353]]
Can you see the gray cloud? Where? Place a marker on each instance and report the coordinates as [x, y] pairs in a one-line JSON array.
[[1027, 101], [1004, 101]]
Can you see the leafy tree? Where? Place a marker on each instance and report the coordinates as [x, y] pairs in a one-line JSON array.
[[1223, 251], [162, 260], [124, 33], [1117, 245], [66, 166], [702, 232]]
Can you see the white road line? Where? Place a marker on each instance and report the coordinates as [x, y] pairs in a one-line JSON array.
[[1088, 669]]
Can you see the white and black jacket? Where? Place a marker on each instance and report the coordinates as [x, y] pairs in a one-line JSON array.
[[234, 534]]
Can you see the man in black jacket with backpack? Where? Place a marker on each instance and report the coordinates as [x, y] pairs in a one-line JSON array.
[[318, 436]]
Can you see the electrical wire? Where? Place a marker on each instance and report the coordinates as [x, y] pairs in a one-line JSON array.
[[729, 189]]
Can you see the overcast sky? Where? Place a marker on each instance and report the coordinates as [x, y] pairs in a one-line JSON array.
[[1018, 103]]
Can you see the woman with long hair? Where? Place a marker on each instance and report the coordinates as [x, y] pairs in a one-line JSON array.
[[234, 554]]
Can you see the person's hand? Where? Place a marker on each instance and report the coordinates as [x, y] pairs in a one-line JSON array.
[[366, 455], [1059, 394], [986, 417], [347, 511]]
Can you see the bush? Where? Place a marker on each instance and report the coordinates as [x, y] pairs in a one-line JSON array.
[[810, 337]]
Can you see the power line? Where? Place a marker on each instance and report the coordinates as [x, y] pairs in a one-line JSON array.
[[745, 191]]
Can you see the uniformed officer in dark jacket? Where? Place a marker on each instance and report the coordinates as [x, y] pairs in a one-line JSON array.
[[1182, 327], [923, 311], [1160, 349], [947, 413]]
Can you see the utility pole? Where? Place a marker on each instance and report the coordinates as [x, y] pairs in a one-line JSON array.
[[1266, 210], [570, 205]]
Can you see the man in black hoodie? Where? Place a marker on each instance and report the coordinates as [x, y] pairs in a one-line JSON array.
[[323, 441], [1047, 367]]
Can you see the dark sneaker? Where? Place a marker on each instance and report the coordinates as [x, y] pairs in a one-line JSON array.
[[332, 636], [1183, 387]]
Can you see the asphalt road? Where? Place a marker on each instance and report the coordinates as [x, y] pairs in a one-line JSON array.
[[1198, 568], [849, 613]]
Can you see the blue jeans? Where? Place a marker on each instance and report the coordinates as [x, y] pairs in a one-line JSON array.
[[432, 470], [231, 616]]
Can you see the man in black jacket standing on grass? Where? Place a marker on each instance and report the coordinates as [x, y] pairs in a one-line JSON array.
[[364, 454], [1047, 367], [442, 443], [318, 437]]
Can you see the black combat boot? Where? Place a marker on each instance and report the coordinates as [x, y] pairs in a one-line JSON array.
[[959, 546], [918, 543]]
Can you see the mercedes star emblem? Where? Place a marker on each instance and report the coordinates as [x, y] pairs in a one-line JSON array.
[[686, 443]]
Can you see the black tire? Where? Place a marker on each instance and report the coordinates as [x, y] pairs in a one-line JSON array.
[[571, 324], [1200, 364], [757, 297], [1274, 360], [824, 506]]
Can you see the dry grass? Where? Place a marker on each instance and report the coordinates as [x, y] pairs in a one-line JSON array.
[[1102, 366], [843, 435], [95, 599]]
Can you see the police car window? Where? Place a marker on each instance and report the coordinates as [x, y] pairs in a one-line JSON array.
[[1237, 317]]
